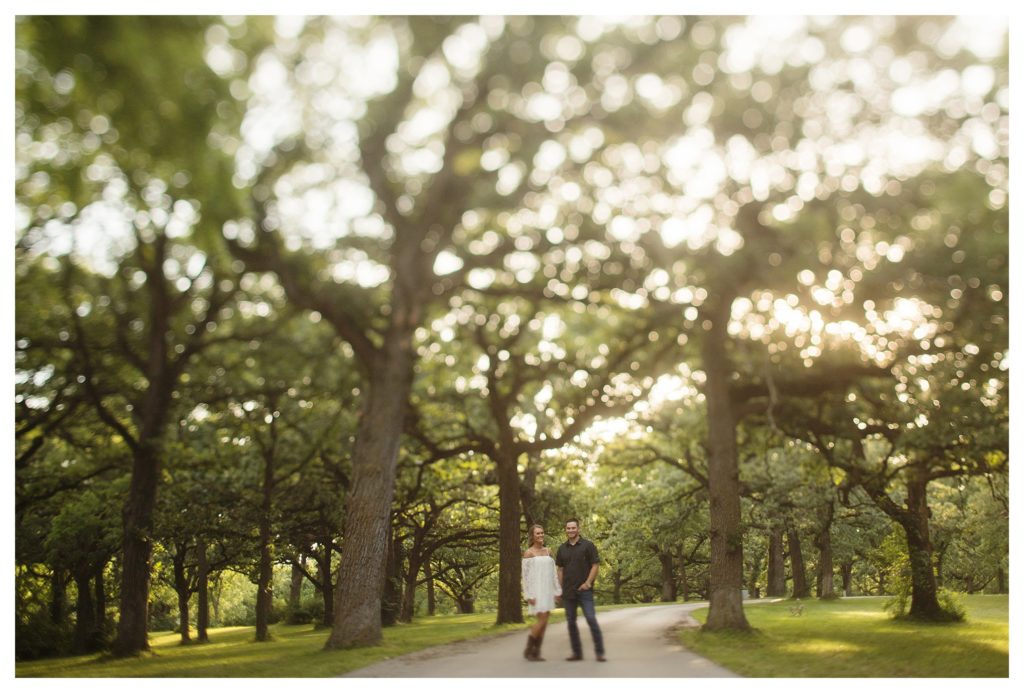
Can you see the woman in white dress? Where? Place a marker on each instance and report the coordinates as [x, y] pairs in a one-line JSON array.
[[540, 588]]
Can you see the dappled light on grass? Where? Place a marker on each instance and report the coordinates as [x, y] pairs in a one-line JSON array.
[[295, 651], [821, 646], [854, 638]]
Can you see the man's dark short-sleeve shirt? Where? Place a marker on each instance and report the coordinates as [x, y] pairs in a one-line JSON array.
[[575, 562]]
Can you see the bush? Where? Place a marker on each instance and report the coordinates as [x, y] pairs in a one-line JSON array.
[[298, 616], [40, 638], [953, 604]]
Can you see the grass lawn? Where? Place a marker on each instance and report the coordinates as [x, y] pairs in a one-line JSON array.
[[295, 651], [856, 638]]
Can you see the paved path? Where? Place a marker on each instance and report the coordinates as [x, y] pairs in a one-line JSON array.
[[638, 642]]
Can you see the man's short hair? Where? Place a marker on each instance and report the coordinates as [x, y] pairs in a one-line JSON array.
[[573, 519]]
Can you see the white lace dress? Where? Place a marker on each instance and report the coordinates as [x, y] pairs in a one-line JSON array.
[[540, 583]]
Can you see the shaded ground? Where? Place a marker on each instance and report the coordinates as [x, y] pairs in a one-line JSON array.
[[639, 642]]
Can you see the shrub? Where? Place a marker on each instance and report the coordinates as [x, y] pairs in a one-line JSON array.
[[953, 604], [40, 637]]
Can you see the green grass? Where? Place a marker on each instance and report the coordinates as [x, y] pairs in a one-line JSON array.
[[856, 638], [295, 651]]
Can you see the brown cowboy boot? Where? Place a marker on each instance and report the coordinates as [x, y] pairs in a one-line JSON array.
[[530, 644], [536, 649]]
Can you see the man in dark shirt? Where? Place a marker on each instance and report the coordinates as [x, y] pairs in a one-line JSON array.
[[577, 568]]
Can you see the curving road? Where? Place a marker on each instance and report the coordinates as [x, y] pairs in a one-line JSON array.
[[638, 641]]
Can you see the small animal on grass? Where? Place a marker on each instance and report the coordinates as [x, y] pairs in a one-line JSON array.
[[797, 609]]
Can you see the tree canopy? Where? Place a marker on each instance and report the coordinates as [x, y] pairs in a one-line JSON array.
[[341, 305]]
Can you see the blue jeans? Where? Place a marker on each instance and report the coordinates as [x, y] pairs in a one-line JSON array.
[[584, 599]]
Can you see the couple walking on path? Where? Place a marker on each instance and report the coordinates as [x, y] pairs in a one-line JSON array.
[[568, 575]]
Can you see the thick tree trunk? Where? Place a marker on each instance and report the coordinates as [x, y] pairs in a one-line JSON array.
[[265, 580], [801, 590], [368, 507], [924, 600], [203, 594], [510, 608], [181, 589], [137, 549], [295, 585], [151, 416], [776, 565], [183, 620], [726, 575], [391, 597], [668, 578], [1000, 580], [87, 636]]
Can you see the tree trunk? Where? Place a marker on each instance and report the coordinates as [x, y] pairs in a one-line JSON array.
[[409, 592], [265, 581], [181, 589], [823, 542], [510, 608], [58, 597], [826, 587], [668, 578], [151, 416], [428, 574], [846, 567], [215, 594], [684, 578], [295, 585], [86, 637], [776, 565], [796, 560], [101, 602], [368, 506], [465, 604], [327, 592], [617, 586], [391, 597], [924, 601], [203, 594], [1000, 580], [726, 575], [137, 549]]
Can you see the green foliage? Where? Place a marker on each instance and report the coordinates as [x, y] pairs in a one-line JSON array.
[[892, 556], [572, 302]]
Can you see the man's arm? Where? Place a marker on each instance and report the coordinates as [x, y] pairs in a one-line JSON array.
[[590, 578], [592, 557]]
